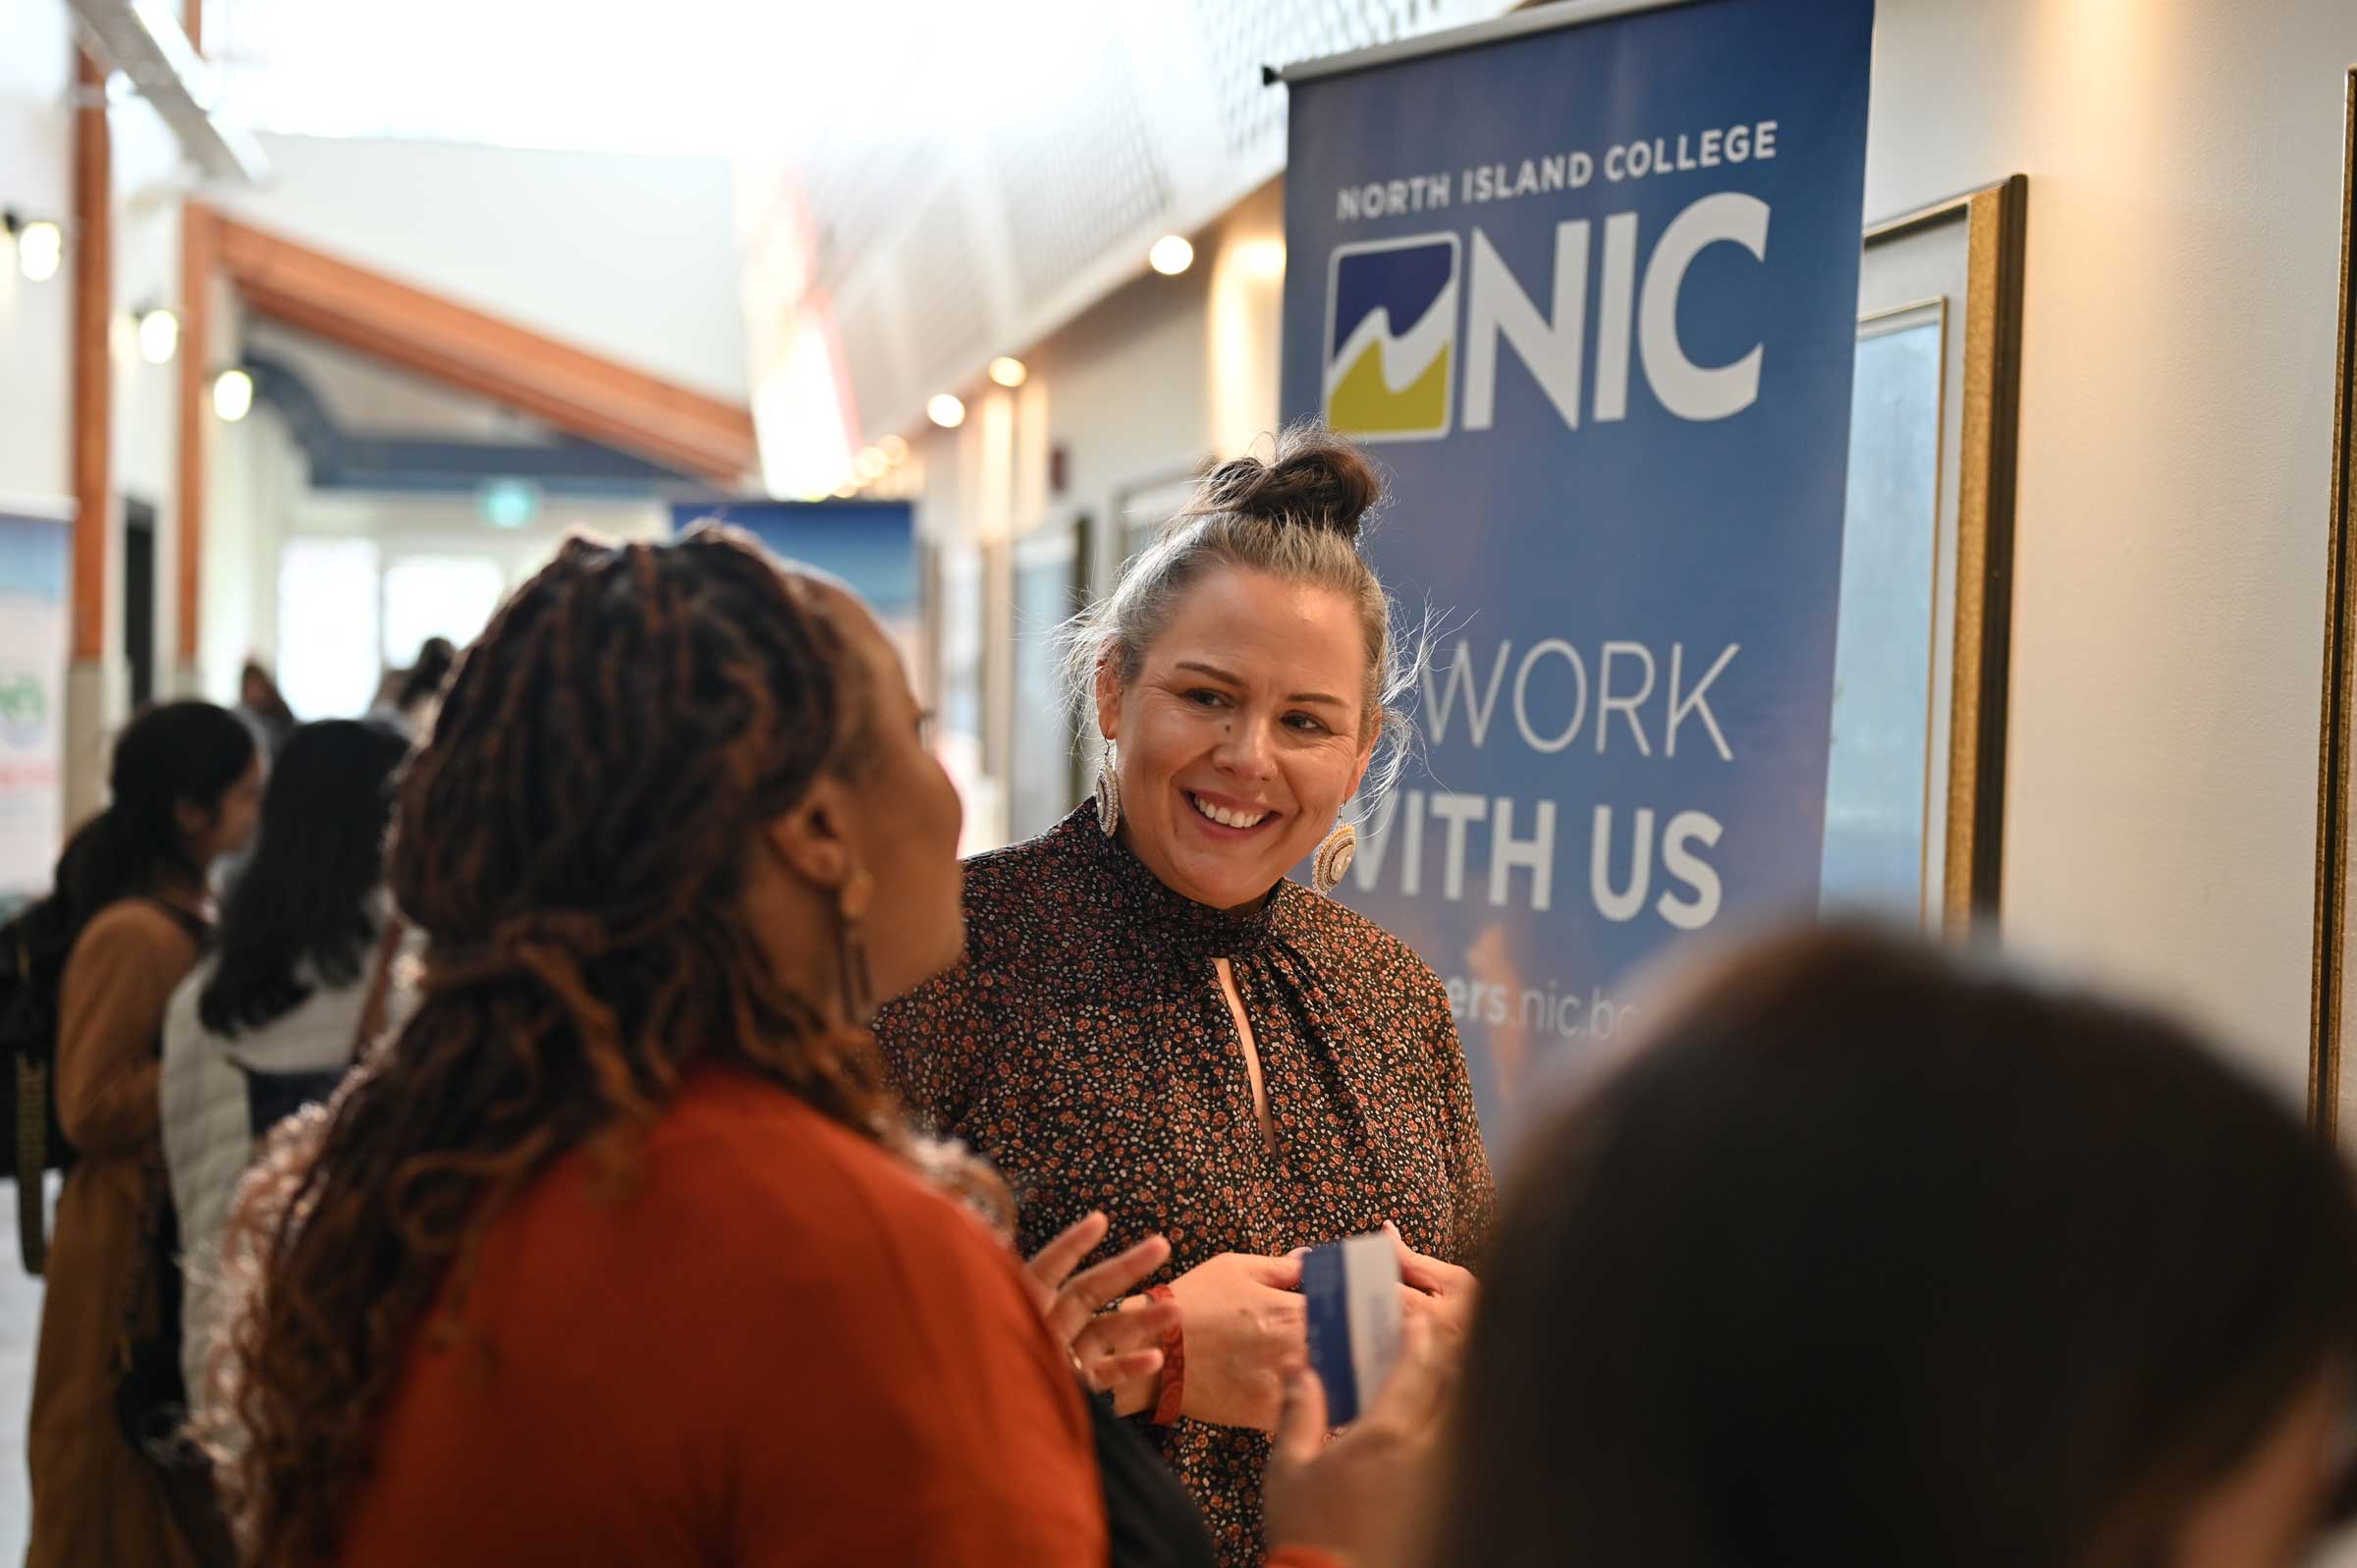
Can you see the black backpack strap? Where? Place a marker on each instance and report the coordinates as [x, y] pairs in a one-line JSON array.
[[33, 1124], [32, 1151], [199, 929]]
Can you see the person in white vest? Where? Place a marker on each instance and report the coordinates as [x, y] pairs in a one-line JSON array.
[[304, 972]]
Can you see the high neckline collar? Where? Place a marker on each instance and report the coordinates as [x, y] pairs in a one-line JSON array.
[[1162, 917]]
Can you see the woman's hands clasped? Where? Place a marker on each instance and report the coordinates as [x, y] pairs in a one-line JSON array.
[[1246, 1334], [1242, 1316]]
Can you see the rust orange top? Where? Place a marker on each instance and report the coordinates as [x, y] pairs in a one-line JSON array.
[[784, 1348]]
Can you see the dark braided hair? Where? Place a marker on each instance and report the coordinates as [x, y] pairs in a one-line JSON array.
[[573, 842]]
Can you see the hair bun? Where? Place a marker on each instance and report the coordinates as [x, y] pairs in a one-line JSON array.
[[1314, 480]]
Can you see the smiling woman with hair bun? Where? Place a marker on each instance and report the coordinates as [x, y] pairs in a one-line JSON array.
[[1151, 1020]]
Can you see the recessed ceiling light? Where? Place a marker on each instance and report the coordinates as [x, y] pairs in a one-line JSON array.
[[40, 249], [233, 395], [159, 336]]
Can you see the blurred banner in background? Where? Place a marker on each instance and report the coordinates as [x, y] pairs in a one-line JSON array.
[[1588, 277], [33, 547], [871, 545]]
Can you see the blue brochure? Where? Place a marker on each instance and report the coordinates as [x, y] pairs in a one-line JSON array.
[[1352, 1291]]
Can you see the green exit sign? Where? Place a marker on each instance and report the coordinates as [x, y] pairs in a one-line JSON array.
[[509, 503]]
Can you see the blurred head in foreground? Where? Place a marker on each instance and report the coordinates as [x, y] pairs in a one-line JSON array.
[[1874, 1255]]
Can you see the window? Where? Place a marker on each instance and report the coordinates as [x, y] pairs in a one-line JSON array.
[[327, 642], [438, 596]]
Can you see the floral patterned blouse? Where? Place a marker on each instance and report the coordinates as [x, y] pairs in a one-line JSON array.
[[1084, 1047]]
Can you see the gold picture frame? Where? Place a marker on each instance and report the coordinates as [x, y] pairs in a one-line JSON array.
[[1951, 274], [2328, 1001]]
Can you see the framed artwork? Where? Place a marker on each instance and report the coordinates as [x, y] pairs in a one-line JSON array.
[[954, 619], [927, 667], [1051, 571], [1915, 775], [995, 584], [2328, 1000]]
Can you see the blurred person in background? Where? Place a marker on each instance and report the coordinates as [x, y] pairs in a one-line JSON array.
[[276, 1016], [619, 1251], [262, 705], [1152, 1021], [1874, 1255], [186, 786], [410, 698]]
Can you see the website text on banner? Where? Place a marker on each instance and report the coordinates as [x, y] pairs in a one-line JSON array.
[[1593, 289]]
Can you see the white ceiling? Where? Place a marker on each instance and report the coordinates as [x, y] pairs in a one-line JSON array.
[[988, 181]]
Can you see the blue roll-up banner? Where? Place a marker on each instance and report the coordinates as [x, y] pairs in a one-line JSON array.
[[1592, 291]]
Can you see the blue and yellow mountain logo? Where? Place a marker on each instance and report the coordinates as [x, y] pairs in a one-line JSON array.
[[1391, 324]]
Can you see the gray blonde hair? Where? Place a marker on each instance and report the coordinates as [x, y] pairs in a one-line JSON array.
[[1296, 517]]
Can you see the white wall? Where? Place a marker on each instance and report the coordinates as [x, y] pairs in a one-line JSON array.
[[252, 475], [37, 319], [630, 258], [2176, 464], [1157, 376], [150, 181], [35, 442], [1124, 388]]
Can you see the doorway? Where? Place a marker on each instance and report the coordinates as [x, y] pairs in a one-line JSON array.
[[138, 598]]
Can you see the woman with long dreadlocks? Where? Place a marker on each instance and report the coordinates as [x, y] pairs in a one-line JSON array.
[[618, 1252]]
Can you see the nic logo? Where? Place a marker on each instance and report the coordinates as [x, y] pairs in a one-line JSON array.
[[1391, 329]]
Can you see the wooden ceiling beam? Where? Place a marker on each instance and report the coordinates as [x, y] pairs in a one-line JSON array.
[[576, 390], [194, 374]]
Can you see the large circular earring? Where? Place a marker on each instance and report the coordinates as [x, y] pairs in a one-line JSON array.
[[1333, 859], [1108, 793]]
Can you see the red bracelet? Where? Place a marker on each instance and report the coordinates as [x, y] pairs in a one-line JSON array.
[[1173, 1393]]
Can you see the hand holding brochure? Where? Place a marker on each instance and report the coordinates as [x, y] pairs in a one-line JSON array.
[[1352, 1292]]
